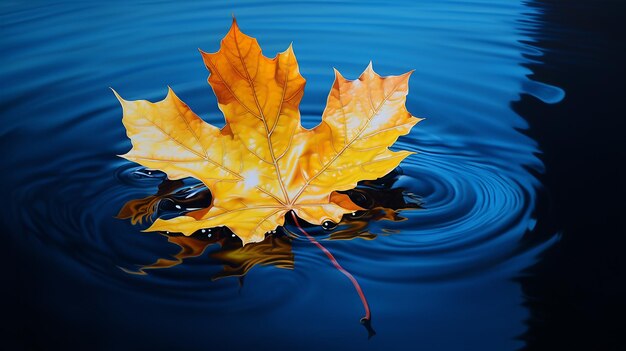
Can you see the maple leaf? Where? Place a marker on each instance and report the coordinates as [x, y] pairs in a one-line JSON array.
[[263, 163]]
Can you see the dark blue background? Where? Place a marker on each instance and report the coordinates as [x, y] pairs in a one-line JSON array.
[[520, 168]]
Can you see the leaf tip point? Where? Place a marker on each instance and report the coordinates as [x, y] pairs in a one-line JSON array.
[[234, 24], [337, 73], [119, 98], [369, 71]]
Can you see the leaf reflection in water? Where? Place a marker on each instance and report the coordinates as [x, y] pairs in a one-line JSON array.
[[380, 199]]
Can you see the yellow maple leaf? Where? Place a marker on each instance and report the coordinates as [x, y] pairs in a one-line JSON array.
[[263, 163]]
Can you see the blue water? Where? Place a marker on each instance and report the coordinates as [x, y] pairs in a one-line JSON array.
[[443, 279]]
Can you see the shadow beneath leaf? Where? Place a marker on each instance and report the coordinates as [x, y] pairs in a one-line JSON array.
[[380, 198]]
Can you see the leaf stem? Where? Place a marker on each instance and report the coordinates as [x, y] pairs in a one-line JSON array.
[[332, 259]]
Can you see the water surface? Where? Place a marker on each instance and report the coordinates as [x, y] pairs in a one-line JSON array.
[[443, 278]]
